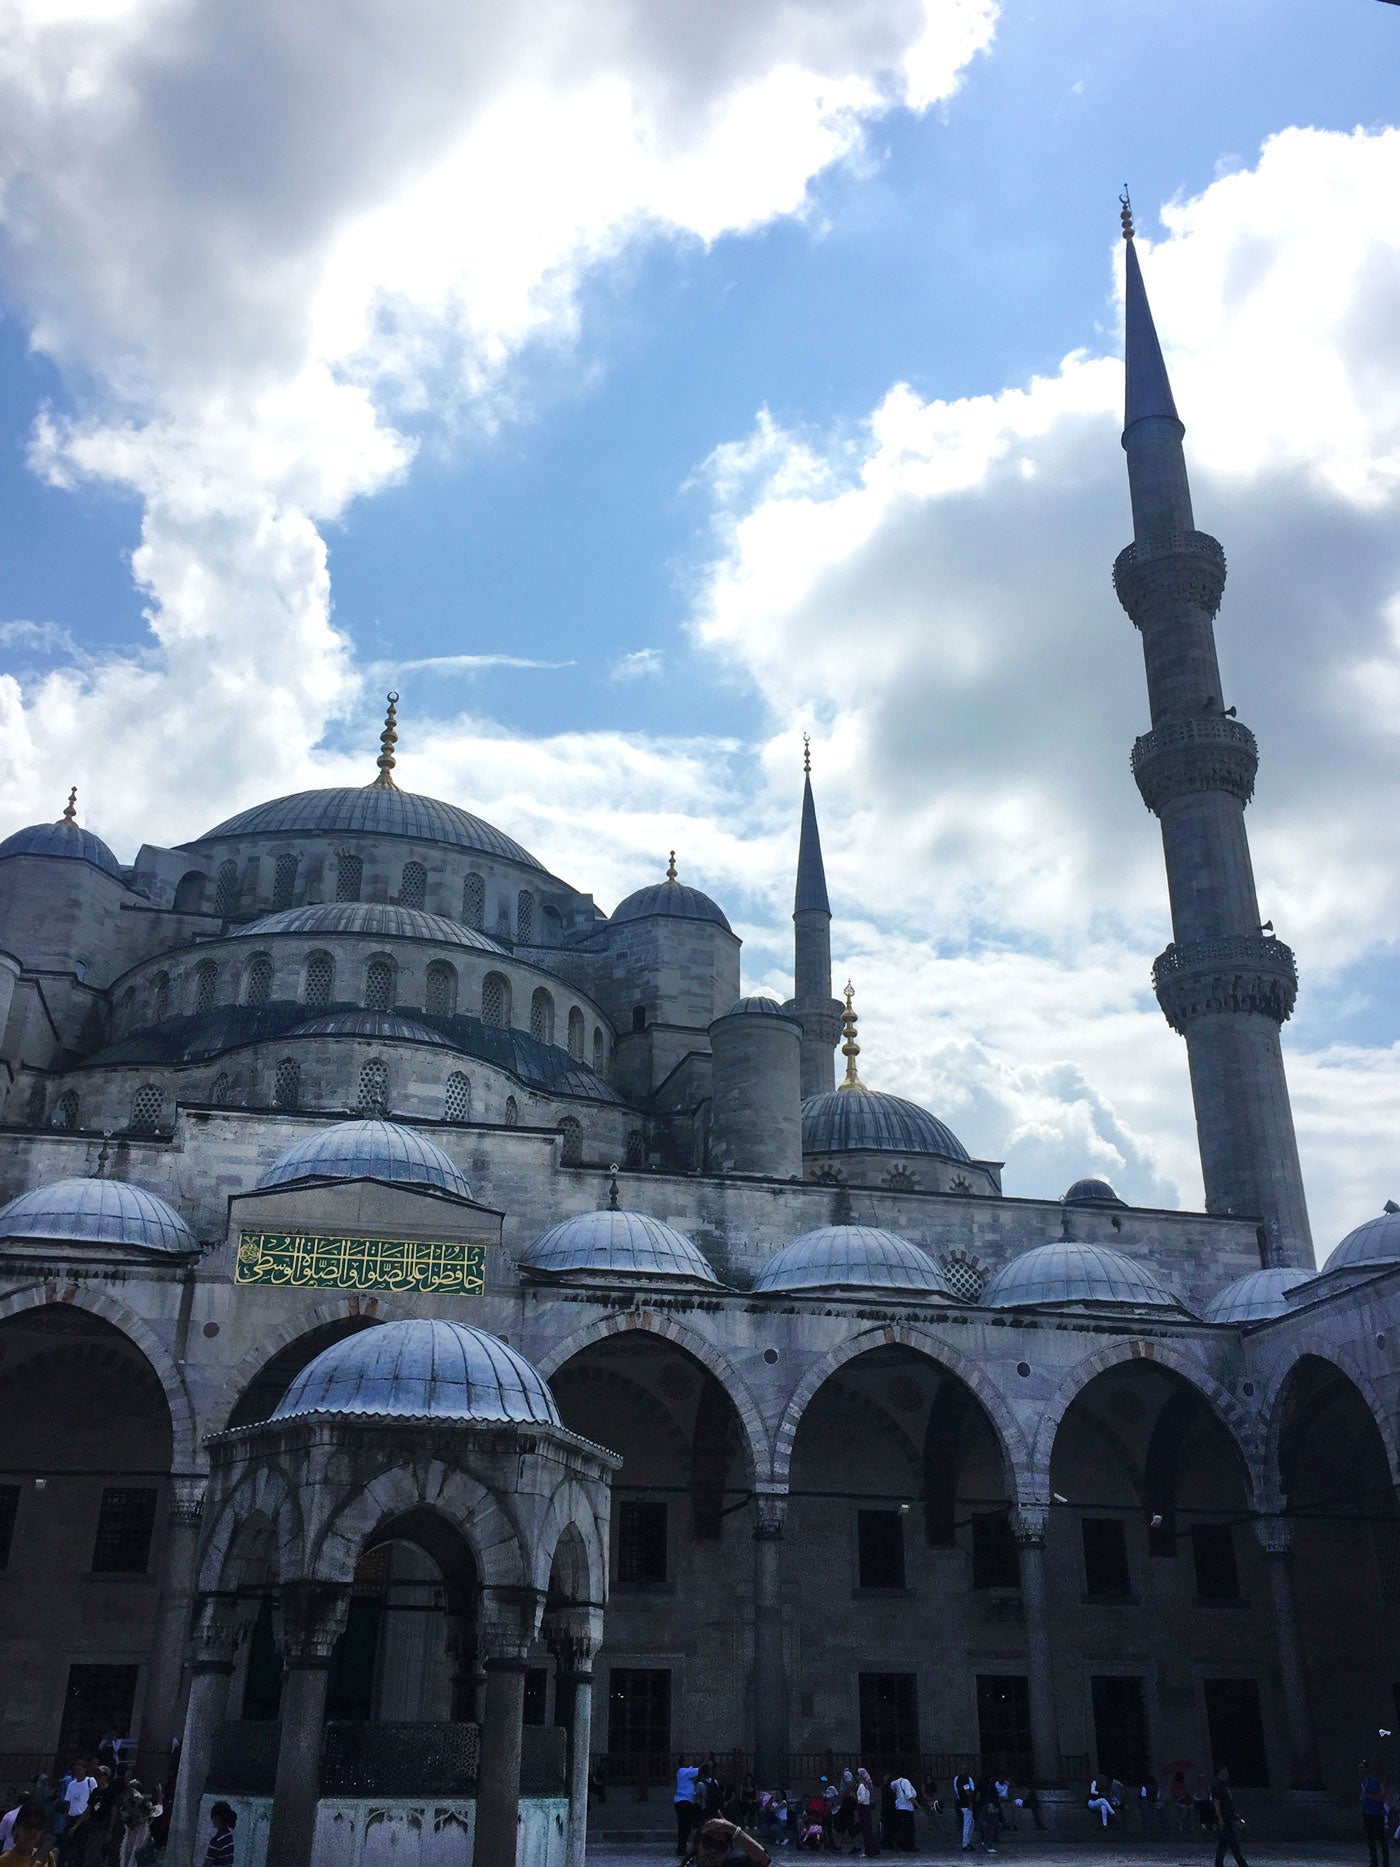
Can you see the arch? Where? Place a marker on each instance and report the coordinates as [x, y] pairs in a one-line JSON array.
[[1015, 1452], [440, 989], [474, 901], [495, 1000], [220, 1089], [263, 1491], [511, 1113], [147, 1107], [284, 882], [1344, 1360], [318, 980], [226, 887], [258, 988], [600, 1050], [160, 996], [379, 982], [576, 1036], [189, 892], [635, 1152], [65, 1110], [651, 1322], [186, 1455], [542, 1015], [206, 983], [525, 916], [275, 1338], [126, 1007], [485, 1521], [413, 885], [570, 1531]]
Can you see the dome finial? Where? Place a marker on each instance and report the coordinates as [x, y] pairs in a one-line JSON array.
[[70, 813], [807, 754], [388, 739], [850, 1049], [1126, 213], [671, 868]]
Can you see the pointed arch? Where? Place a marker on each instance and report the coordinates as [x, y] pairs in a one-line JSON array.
[[572, 1509], [1274, 1411], [264, 1491], [484, 1520]]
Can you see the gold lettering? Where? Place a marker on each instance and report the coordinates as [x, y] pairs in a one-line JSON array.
[[310, 1261]]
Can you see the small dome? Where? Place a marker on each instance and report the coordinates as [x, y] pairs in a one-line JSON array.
[[62, 839], [1070, 1273], [372, 1149], [1377, 1241], [421, 1370], [98, 1212], [849, 1121], [758, 1005], [370, 810], [382, 1026], [1092, 1193], [852, 1257], [625, 1243], [376, 918], [1254, 1297], [674, 901]]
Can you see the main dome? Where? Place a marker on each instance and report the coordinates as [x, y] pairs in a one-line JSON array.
[[421, 1369], [371, 810], [672, 901], [1071, 1273], [623, 1243], [64, 839], [852, 1257], [1254, 1297], [1375, 1242], [849, 1121], [98, 1212], [380, 919], [372, 1149]]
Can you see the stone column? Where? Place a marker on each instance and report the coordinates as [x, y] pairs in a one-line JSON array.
[[1028, 1526], [505, 1628], [1276, 1538], [313, 1619], [769, 1680], [572, 1648], [212, 1646], [160, 1707]]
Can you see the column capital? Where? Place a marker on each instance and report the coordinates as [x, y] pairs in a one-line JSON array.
[[507, 1622], [1275, 1536], [187, 1498], [1029, 1523], [573, 1635], [312, 1620], [216, 1627], [770, 1514]]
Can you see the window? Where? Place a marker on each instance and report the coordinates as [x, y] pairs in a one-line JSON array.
[[189, 892], [900, 1180], [1385, 1544], [542, 1016], [1106, 1558], [226, 888], [124, 1526], [495, 1000], [284, 881], [348, 871], [373, 1098], [963, 1275], [641, 1541], [65, 1110], [379, 984], [160, 996], [600, 1051], [524, 915], [571, 1146], [286, 1087], [206, 983], [889, 1720], [440, 998], [320, 979], [457, 1103], [413, 885], [1217, 1572], [9, 1510], [219, 1090], [146, 1107], [259, 979], [880, 1545], [639, 1017], [512, 1113], [635, 1156], [1237, 1730], [474, 901], [96, 1699], [1004, 1723], [996, 1561], [576, 1034], [1120, 1727], [639, 1725]]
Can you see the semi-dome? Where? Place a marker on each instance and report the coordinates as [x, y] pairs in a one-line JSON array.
[[673, 901], [1375, 1242], [381, 1026], [1254, 1297], [370, 810], [848, 1121], [98, 1212], [630, 1244], [421, 1369], [65, 839], [1092, 1193], [376, 918], [1070, 1273], [371, 1149], [852, 1257]]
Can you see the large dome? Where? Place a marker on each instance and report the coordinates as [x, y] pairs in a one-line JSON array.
[[672, 901], [852, 1257], [371, 810], [622, 1243], [1070, 1273], [1375, 1242], [1254, 1297], [98, 1212], [372, 1149], [63, 839], [421, 1370], [848, 1121], [376, 918]]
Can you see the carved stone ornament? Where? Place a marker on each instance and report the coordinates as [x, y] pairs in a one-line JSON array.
[[215, 1631], [187, 1499], [1183, 757], [1243, 972], [1155, 577], [770, 1514], [312, 1620], [1275, 1535], [1029, 1523]]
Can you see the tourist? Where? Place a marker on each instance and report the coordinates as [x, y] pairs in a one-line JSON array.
[[1150, 1806], [845, 1824], [219, 1852], [719, 1843], [965, 1802], [1005, 1804], [687, 1776], [138, 1810], [865, 1813], [906, 1799], [1181, 1800], [1226, 1820], [27, 1839], [1100, 1800], [1373, 1816], [8, 1819], [75, 1790], [887, 1810], [989, 1817], [91, 1846], [748, 1802]]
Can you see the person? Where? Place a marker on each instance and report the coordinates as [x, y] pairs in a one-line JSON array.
[[7, 1824], [138, 1810], [92, 1843], [1029, 1798], [27, 1839], [107, 1752], [989, 1817], [1373, 1816], [1150, 1808], [687, 1799], [719, 1843], [1223, 1804], [1100, 1801], [1181, 1801], [76, 1792], [1005, 1804], [1392, 1809], [748, 1802], [906, 1799], [887, 1809], [219, 1852], [1201, 1802], [865, 1813], [845, 1824], [598, 1780], [965, 1802]]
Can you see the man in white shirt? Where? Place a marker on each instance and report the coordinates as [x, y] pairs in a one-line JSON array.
[[905, 1798], [78, 1790]]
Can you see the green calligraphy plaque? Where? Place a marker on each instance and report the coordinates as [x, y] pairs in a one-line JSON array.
[[310, 1261]]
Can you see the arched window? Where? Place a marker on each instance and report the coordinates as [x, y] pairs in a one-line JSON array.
[[226, 888], [457, 1103], [348, 870], [189, 892], [542, 1016], [576, 1034], [413, 887], [600, 1050], [320, 979], [440, 995], [284, 881], [474, 901], [495, 1000], [571, 1149], [160, 996], [636, 1155], [65, 1110], [146, 1107], [286, 1085], [259, 989], [639, 1017], [524, 915], [219, 1089], [379, 983], [512, 1113], [206, 983], [373, 1098]]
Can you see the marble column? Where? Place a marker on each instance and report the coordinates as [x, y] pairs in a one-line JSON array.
[[573, 1708], [212, 1645], [160, 1707], [313, 1619], [1276, 1539], [1028, 1526], [507, 1623], [769, 1679]]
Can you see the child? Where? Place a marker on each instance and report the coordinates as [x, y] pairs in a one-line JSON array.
[[219, 1853]]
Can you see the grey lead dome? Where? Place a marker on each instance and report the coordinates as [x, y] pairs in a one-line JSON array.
[[622, 1243], [849, 1121], [98, 1212], [377, 918], [1070, 1273], [1254, 1297], [421, 1370], [63, 839], [372, 1149], [370, 810], [674, 901], [1377, 1241], [852, 1257]]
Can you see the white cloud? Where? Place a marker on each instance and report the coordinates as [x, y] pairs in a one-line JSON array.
[[641, 664]]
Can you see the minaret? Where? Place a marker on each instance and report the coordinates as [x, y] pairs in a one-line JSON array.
[[816, 1010], [1224, 982]]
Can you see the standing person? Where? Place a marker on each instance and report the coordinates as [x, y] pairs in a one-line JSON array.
[[887, 1809], [1373, 1816], [905, 1800], [1150, 1806], [1225, 1819], [989, 1817], [27, 1847], [78, 1788], [865, 1813], [965, 1801], [845, 1826], [719, 1843], [1181, 1801], [687, 1776], [91, 1845], [138, 1810], [219, 1852]]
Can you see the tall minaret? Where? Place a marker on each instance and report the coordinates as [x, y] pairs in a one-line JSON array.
[[1224, 982], [816, 1010]]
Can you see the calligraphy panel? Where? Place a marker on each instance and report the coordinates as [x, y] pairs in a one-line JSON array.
[[313, 1261]]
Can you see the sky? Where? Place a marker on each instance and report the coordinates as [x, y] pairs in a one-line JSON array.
[[635, 388]]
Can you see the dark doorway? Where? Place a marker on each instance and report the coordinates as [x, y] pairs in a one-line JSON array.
[[1004, 1724], [639, 1725], [97, 1699], [889, 1721], [262, 1688], [1236, 1726], [1120, 1727]]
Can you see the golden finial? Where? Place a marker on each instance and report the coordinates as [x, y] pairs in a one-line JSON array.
[[850, 1049], [388, 739], [70, 814], [807, 754], [671, 868], [1126, 215]]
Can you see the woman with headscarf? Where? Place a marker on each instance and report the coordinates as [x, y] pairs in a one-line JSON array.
[[865, 1812]]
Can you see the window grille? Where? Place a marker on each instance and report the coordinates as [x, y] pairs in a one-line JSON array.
[[284, 881], [600, 1051], [900, 1180], [65, 1110], [474, 901], [206, 980], [996, 1561], [374, 1088], [457, 1104], [964, 1277], [636, 1155], [219, 1090], [1106, 1571], [440, 998], [124, 1525], [512, 1113], [286, 1088], [146, 1106], [880, 1548], [379, 985], [226, 888], [495, 1000], [571, 1151], [96, 1699], [9, 1510], [259, 980], [641, 1542], [576, 1034], [413, 885], [542, 1016], [524, 915], [160, 1002], [889, 1719], [348, 870], [320, 979]]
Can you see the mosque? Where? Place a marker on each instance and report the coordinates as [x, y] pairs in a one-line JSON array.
[[449, 1333]]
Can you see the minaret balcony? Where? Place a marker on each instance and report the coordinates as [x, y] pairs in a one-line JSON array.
[[1183, 757], [1156, 577], [1237, 972]]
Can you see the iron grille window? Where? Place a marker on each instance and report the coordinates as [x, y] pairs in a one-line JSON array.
[[889, 1720], [65, 1110], [440, 999], [161, 998], [9, 1510], [1236, 1726], [542, 1017], [996, 1561], [286, 1088], [96, 1699], [457, 1104], [495, 1000], [284, 881], [880, 1546], [373, 1098], [1217, 1572], [964, 1276], [206, 980], [146, 1106], [413, 885], [1004, 1723], [379, 985], [124, 1525], [218, 1094], [636, 1154], [320, 979], [226, 888], [474, 901], [639, 1725], [512, 1113], [1120, 1727], [348, 872], [571, 1149], [260, 980], [576, 1034], [1106, 1558], [641, 1541], [524, 915]]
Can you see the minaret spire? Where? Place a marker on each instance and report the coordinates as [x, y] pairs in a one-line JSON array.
[[388, 739], [812, 1003], [1224, 982], [811, 871]]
